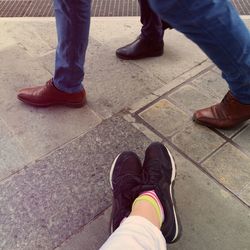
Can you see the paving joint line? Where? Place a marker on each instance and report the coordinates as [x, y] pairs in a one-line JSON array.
[[168, 140], [171, 90], [80, 229], [26, 166]]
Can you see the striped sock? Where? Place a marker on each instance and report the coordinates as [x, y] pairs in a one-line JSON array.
[[152, 198]]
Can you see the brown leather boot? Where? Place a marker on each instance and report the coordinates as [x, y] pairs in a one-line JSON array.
[[49, 95], [224, 115]]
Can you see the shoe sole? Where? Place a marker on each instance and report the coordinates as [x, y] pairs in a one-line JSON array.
[[112, 170], [72, 105], [111, 184], [160, 53], [171, 194]]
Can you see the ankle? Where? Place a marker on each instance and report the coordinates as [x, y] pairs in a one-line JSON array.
[[146, 210], [148, 205]]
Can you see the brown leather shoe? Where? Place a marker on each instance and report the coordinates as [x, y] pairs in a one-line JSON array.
[[49, 95], [224, 115]]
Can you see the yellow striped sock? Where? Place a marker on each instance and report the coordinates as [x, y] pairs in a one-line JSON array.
[[152, 202]]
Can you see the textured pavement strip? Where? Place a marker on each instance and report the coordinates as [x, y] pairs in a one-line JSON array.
[[49, 198]]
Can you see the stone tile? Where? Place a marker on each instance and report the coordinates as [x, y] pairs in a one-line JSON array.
[[42, 130], [190, 98], [18, 70], [243, 139], [48, 61], [92, 236], [144, 129], [6, 40], [38, 130], [28, 237], [230, 167], [182, 78], [4, 131], [129, 29], [231, 132], [207, 212], [180, 55], [13, 156], [212, 83], [113, 85], [202, 205], [165, 117], [33, 36], [197, 142], [245, 194], [65, 190], [45, 29]]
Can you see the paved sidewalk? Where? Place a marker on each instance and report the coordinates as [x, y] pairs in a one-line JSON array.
[[54, 163]]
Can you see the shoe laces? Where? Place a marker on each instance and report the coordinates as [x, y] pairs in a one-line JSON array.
[[125, 187], [152, 172]]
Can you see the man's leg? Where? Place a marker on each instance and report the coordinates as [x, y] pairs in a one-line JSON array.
[[151, 23], [150, 42], [217, 29], [72, 22]]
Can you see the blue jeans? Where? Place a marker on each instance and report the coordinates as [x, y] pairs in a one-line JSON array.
[[215, 26], [72, 23]]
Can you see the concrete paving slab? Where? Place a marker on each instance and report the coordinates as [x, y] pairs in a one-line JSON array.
[[197, 142], [230, 167], [231, 132], [67, 189], [48, 61], [243, 139], [18, 70], [211, 217], [4, 131], [191, 99], [144, 129], [6, 40], [13, 156], [186, 76], [206, 210], [47, 202], [45, 29], [245, 194], [165, 117], [48, 128], [92, 236], [180, 53], [112, 85], [212, 83], [37, 37], [108, 93]]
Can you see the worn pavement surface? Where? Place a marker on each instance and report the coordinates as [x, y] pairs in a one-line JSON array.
[[54, 162]]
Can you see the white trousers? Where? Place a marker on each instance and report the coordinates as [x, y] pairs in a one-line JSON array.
[[136, 233]]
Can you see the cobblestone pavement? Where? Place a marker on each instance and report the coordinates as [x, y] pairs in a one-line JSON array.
[[54, 166]]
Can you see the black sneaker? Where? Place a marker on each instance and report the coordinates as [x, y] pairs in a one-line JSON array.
[[158, 174], [125, 178]]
